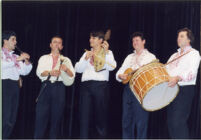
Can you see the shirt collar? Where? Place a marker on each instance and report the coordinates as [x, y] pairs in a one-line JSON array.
[[58, 57], [142, 51], [187, 48], [7, 51], [52, 54]]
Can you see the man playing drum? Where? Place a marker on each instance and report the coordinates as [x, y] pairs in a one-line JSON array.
[[134, 116], [184, 72]]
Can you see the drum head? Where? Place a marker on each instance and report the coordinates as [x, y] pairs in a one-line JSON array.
[[159, 96]]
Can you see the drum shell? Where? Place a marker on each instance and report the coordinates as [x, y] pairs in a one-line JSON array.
[[146, 78]]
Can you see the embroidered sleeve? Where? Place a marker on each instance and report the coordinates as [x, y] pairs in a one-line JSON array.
[[190, 72], [6, 62]]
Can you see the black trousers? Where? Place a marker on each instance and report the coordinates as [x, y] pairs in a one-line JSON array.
[[178, 113], [50, 108], [94, 97], [10, 100], [134, 117]]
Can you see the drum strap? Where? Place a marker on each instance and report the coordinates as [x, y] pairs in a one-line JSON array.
[[177, 58]]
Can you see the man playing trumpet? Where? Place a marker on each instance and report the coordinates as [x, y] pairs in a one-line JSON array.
[[53, 69]]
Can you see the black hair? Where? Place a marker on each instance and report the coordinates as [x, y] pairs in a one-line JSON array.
[[138, 34], [99, 34], [6, 35], [56, 36], [189, 34]]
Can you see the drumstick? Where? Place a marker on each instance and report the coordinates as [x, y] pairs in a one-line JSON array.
[[102, 59]]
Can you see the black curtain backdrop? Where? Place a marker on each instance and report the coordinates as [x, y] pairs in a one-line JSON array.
[[36, 22]]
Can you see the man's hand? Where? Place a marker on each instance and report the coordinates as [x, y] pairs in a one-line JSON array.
[[55, 73], [105, 45], [67, 70], [123, 76], [63, 67], [173, 81], [89, 54], [23, 56]]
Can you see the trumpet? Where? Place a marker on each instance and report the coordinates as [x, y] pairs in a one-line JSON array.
[[18, 49]]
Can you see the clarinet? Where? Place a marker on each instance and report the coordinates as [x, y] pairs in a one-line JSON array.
[[61, 61], [49, 76], [18, 49]]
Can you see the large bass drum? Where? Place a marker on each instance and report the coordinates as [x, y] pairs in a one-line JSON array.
[[149, 84]]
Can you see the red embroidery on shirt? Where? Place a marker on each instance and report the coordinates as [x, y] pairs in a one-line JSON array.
[[137, 58], [178, 54], [54, 61], [11, 57], [91, 60], [190, 77]]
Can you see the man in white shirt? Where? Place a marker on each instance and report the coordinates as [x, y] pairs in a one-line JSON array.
[[94, 88], [12, 66], [52, 70], [134, 116], [183, 71]]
